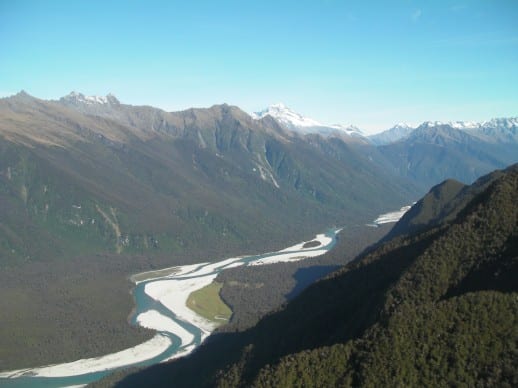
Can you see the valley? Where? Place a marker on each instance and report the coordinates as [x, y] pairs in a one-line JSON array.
[[97, 196], [162, 305], [441, 298], [241, 194], [92, 193]]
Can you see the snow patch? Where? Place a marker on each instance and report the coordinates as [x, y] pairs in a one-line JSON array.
[[80, 98], [267, 176], [296, 122], [286, 116]]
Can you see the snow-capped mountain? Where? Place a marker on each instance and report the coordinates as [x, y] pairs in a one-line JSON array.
[[498, 130], [509, 123], [286, 117], [504, 123], [351, 130], [105, 106], [397, 132], [501, 130], [463, 125], [296, 122], [75, 98]]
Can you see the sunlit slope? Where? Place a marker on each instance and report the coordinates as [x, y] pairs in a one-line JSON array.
[[144, 181]]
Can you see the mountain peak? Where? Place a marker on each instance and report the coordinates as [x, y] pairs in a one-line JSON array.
[[287, 117], [296, 122], [396, 133], [22, 95], [403, 125], [279, 105], [453, 124], [79, 98]]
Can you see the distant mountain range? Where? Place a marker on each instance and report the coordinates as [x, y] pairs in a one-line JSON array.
[[503, 130], [426, 154], [434, 152]]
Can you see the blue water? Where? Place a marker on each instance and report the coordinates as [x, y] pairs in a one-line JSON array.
[[145, 303]]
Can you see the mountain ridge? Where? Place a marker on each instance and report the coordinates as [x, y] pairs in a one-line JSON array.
[[298, 123], [494, 130], [200, 150], [504, 129]]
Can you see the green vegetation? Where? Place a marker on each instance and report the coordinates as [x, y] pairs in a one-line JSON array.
[[207, 303], [436, 307], [60, 311], [82, 184], [252, 292], [93, 199]]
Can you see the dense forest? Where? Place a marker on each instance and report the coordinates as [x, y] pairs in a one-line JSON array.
[[437, 306], [252, 292]]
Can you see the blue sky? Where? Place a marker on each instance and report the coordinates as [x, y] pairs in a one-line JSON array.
[[368, 63]]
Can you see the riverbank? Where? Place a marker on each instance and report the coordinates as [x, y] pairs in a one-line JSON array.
[[162, 306]]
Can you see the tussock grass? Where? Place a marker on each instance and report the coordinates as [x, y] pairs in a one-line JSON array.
[[207, 303]]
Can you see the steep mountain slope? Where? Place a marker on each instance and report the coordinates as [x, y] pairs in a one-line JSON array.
[[143, 180], [432, 153], [430, 209], [93, 190], [441, 204], [433, 307]]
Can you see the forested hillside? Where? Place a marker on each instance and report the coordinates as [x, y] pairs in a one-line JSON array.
[[431, 307], [92, 193]]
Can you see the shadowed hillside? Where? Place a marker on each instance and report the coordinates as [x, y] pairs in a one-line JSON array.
[[431, 307]]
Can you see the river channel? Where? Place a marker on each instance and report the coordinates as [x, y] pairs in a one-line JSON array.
[[179, 329]]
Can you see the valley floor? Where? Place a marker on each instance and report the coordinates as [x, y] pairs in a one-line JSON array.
[[169, 295]]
